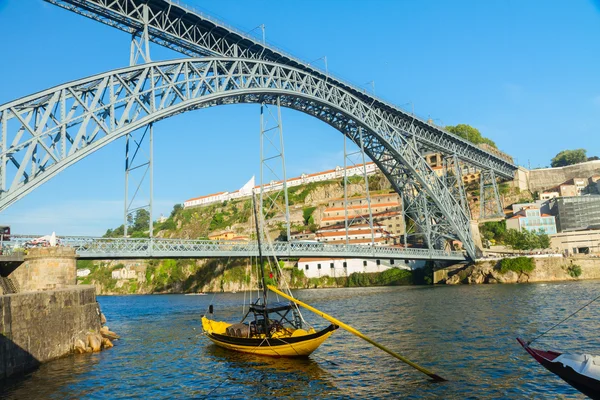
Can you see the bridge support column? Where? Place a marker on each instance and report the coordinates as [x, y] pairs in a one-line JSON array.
[[490, 205], [46, 268], [272, 163], [348, 157], [453, 172]]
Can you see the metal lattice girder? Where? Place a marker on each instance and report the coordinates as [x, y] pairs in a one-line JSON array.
[[46, 132], [122, 248], [195, 34], [453, 172], [490, 204]]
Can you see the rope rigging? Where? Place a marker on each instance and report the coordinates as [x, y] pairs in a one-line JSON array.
[[563, 320]]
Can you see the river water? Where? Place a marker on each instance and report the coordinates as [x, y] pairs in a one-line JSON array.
[[464, 333]]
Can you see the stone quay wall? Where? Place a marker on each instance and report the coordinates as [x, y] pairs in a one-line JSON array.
[[46, 268], [40, 326], [550, 269], [546, 178]]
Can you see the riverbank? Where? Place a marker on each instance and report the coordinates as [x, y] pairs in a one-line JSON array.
[[217, 276], [548, 269]]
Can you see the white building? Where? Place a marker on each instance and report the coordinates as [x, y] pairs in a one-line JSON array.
[[83, 272], [124, 273], [340, 267], [249, 188]]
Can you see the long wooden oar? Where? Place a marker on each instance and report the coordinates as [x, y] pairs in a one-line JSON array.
[[350, 329]]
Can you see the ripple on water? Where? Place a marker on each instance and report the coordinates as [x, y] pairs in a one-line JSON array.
[[464, 333]]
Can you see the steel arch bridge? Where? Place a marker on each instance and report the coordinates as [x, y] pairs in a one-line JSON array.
[[44, 133]]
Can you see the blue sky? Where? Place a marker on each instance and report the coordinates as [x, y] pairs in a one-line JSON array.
[[526, 73]]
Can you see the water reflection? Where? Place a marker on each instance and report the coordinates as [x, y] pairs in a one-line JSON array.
[[464, 333]]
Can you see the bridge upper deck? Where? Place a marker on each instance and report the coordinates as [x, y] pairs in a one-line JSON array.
[[193, 33]]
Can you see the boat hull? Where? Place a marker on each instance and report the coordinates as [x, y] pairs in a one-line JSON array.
[[586, 385], [293, 346]]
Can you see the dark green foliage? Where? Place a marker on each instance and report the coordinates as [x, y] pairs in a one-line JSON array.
[[526, 240], [424, 276], [86, 264], [176, 209], [469, 133], [141, 221], [118, 232], [392, 276], [504, 188], [518, 265], [569, 157], [307, 214], [217, 221], [574, 270], [493, 230]]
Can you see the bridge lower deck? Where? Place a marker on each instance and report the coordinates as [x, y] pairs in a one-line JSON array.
[[88, 248]]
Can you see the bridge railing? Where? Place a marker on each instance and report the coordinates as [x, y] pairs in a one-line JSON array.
[[92, 247]]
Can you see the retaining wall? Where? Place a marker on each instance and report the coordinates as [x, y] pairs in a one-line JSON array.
[[39, 326]]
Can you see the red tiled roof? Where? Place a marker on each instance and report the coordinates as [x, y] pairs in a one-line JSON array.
[[366, 205], [203, 197]]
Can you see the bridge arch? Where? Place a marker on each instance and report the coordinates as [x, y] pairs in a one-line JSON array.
[[46, 132]]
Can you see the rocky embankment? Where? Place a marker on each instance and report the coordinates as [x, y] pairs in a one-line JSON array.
[[546, 270], [95, 342]]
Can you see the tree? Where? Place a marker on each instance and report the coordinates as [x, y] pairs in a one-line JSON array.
[[569, 157], [469, 133], [593, 158], [176, 209], [526, 240], [141, 222]]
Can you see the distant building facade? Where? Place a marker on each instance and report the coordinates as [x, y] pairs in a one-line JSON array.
[[531, 219], [386, 210], [577, 242], [342, 267], [249, 187], [124, 273], [576, 213], [357, 234], [227, 235]]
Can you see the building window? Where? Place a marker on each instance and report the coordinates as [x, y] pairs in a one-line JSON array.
[[378, 262], [318, 266], [405, 261], [306, 267], [392, 261], [331, 265], [345, 264], [364, 263]]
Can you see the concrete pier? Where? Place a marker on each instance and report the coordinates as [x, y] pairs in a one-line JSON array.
[[40, 326]]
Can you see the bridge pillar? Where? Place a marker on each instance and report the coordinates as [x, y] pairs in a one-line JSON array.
[[476, 238], [46, 268]]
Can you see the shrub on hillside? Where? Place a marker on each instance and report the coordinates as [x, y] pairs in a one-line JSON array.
[[518, 265], [574, 270]]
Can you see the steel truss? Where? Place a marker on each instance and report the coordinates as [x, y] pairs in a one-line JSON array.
[[347, 157], [272, 162], [46, 132], [195, 34], [490, 204], [122, 248], [454, 172]]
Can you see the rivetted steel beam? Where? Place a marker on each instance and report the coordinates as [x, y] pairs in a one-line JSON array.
[[51, 130], [195, 34]]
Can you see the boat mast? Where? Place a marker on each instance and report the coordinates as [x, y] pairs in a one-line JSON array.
[[260, 260]]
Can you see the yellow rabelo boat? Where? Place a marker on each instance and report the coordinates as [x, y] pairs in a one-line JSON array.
[[267, 329]]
